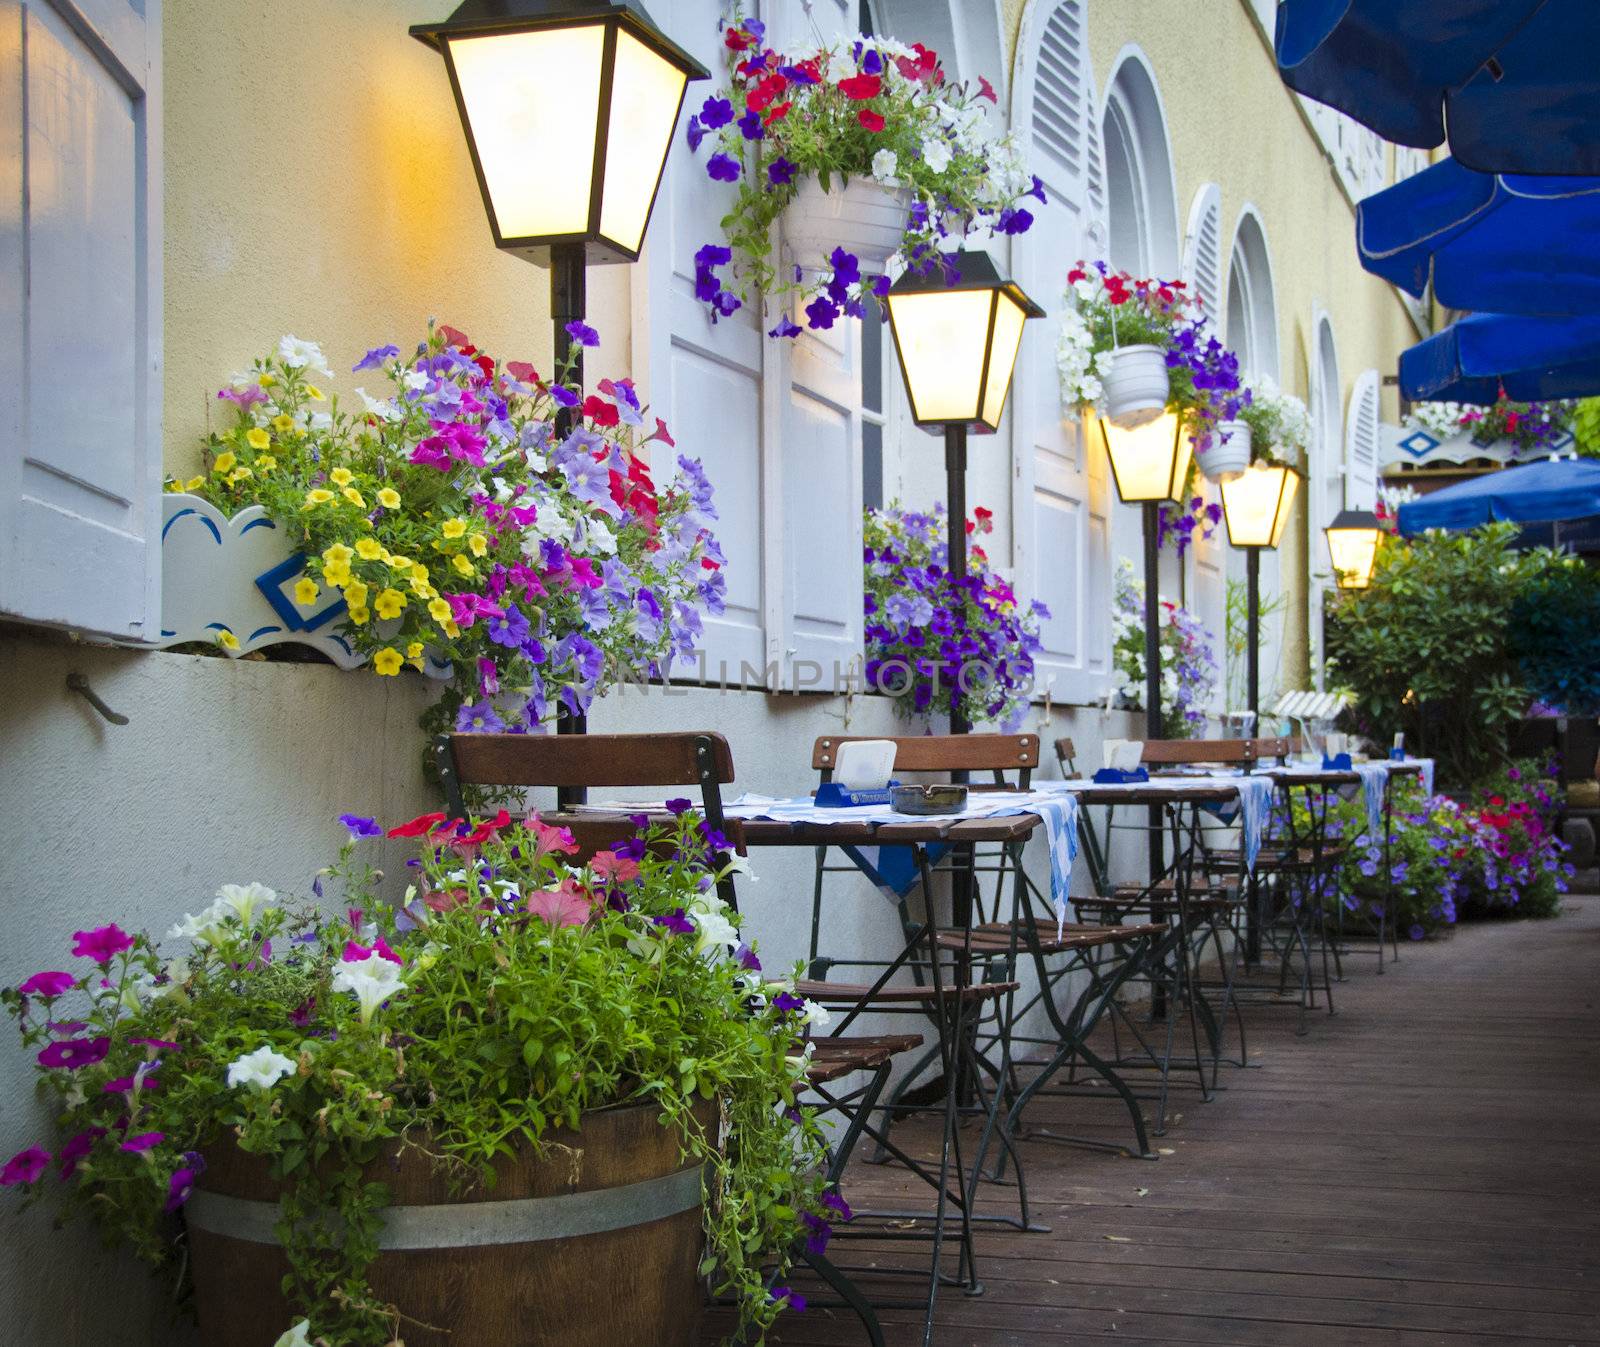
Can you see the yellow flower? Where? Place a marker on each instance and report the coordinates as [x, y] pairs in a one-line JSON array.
[[267, 379], [337, 554], [224, 463], [283, 423], [227, 640], [389, 603], [342, 476], [451, 630], [479, 544], [194, 484], [355, 594], [414, 650], [463, 565], [257, 438], [359, 616], [266, 463], [439, 611], [454, 528], [306, 591], [173, 486], [354, 497], [389, 498], [421, 588], [315, 393], [337, 575], [387, 661], [401, 563], [317, 497], [239, 474], [369, 549]]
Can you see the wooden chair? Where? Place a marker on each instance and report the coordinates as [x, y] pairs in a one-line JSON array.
[[700, 760]]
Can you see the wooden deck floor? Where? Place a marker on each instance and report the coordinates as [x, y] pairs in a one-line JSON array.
[[1424, 1168]]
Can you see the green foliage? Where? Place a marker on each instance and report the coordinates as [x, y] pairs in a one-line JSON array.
[[1555, 636], [518, 993], [1236, 646], [1425, 647], [1586, 427]]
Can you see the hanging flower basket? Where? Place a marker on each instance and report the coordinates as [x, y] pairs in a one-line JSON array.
[[863, 217], [1136, 386], [1228, 455]]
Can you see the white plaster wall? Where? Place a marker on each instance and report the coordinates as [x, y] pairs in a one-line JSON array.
[[231, 771]]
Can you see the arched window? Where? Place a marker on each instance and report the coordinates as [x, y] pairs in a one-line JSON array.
[[1327, 465], [1141, 200], [1251, 322], [1202, 252]]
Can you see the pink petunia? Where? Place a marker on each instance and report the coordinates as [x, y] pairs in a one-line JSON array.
[[48, 984], [565, 905], [76, 1149], [145, 1141], [551, 840], [613, 868], [75, 1052], [102, 944], [24, 1167]]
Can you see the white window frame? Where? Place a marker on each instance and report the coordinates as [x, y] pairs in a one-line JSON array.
[[1325, 472]]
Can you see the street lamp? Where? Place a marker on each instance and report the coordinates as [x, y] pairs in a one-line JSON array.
[[957, 342], [1353, 539], [1150, 464], [1256, 506], [569, 108]]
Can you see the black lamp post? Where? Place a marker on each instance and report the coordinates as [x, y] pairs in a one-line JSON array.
[[957, 345], [1256, 506], [569, 108], [1353, 540]]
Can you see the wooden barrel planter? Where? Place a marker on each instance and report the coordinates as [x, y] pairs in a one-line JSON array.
[[594, 1244]]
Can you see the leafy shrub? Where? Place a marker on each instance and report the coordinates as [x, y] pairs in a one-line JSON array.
[[1555, 636]]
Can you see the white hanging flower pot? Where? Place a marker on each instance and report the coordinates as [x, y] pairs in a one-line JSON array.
[[1228, 455], [1136, 386], [866, 218]]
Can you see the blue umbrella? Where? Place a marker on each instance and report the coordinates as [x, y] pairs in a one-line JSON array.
[[1489, 244], [1514, 80], [1535, 493], [1532, 359]]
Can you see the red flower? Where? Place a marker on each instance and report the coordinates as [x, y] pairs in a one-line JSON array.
[[760, 98], [485, 364], [736, 39], [986, 90], [870, 120], [861, 87], [484, 831], [1073, 277], [662, 435], [420, 826], [598, 410], [776, 113], [522, 371], [925, 69], [707, 564]]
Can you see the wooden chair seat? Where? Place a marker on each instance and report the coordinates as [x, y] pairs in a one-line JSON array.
[[996, 938], [847, 995], [835, 1057]]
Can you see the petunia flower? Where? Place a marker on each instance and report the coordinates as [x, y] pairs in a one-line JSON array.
[[70, 1053], [870, 121], [24, 1167], [781, 171], [102, 944], [565, 905], [263, 1069], [372, 980], [724, 167], [76, 1149], [420, 826], [145, 1141], [360, 827], [582, 333], [48, 985]]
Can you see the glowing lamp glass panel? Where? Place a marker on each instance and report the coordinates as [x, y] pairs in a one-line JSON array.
[[1256, 504], [941, 335], [1149, 462], [1009, 317], [646, 90], [530, 100], [1353, 551]]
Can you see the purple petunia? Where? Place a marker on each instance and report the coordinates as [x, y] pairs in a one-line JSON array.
[[722, 168], [361, 827], [781, 171], [374, 358], [48, 985], [715, 113], [582, 333], [675, 922]]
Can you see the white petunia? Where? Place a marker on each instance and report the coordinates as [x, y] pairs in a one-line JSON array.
[[242, 900], [416, 380], [817, 1016], [936, 153], [600, 538], [382, 408], [885, 163], [208, 926], [306, 355], [262, 1068], [298, 1336], [373, 980]]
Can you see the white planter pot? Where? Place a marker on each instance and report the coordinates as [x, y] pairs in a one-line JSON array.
[[237, 575], [1229, 454], [865, 218], [1136, 386]]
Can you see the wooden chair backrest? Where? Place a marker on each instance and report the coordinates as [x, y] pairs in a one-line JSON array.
[[1173, 752], [1067, 754], [697, 758], [942, 752]]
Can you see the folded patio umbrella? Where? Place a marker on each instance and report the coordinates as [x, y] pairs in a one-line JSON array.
[[1530, 359], [1534, 493], [1514, 82], [1490, 243]]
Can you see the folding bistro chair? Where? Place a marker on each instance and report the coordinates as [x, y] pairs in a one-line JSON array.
[[684, 760]]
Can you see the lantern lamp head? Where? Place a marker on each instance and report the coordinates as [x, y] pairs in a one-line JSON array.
[[1256, 503], [1353, 540], [1151, 461], [569, 108], [957, 342]]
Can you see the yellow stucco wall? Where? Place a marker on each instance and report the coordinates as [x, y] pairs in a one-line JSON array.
[[1231, 121], [317, 182]]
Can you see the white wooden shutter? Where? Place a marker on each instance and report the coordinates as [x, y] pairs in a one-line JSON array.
[[815, 386], [1060, 496], [1202, 253], [704, 378], [1361, 444], [80, 301]]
